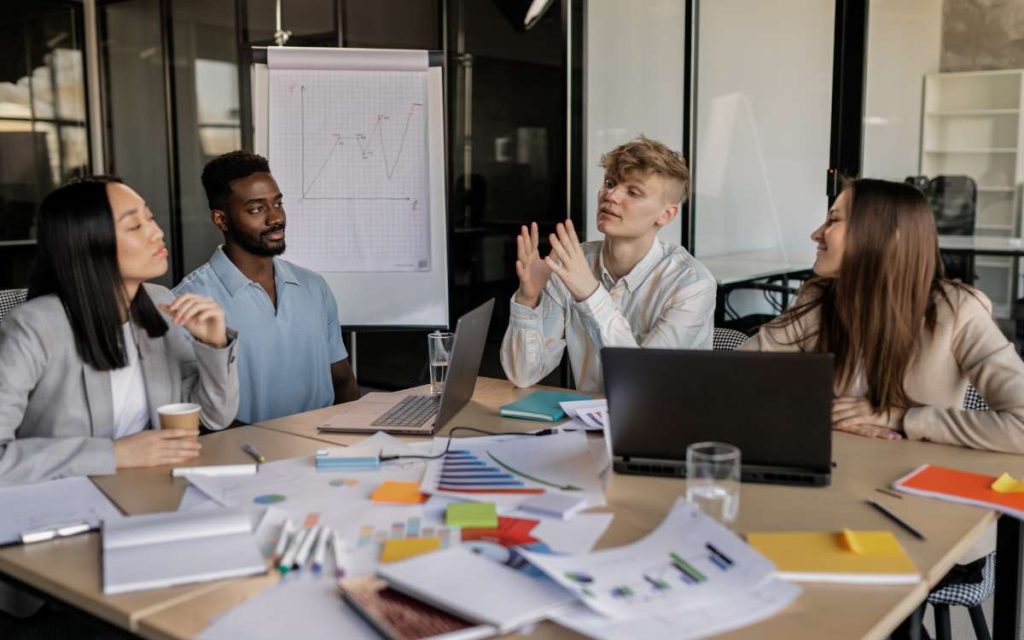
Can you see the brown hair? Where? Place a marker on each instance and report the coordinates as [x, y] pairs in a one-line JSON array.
[[644, 155], [890, 281]]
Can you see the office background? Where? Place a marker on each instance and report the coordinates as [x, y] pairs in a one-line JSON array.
[[762, 97]]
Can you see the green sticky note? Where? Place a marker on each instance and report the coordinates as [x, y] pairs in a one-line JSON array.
[[472, 515]]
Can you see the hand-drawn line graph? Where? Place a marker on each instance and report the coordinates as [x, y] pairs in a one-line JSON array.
[[368, 144]]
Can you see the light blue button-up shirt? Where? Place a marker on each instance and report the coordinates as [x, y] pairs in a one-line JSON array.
[[284, 354]]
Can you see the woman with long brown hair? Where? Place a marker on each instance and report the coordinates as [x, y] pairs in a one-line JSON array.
[[906, 340]]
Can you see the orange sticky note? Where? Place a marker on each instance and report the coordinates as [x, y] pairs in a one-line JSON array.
[[401, 548], [394, 492]]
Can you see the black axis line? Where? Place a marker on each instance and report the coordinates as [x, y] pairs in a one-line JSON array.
[[365, 143]]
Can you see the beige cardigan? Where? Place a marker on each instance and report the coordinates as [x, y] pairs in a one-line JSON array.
[[966, 347]]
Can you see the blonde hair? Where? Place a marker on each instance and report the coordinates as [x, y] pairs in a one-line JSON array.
[[643, 155]]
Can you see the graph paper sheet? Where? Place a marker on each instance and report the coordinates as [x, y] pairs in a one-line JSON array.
[[349, 150]]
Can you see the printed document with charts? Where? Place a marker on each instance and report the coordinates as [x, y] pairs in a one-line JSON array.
[[507, 470], [685, 579]]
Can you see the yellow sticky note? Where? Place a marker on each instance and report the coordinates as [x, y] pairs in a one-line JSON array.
[[1007, 484], [402, 548], [852, 542], [394, 492]]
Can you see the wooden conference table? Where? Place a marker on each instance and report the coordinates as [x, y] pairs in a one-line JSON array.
[[69, 569]]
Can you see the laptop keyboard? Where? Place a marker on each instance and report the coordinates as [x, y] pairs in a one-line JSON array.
[[412, 411]]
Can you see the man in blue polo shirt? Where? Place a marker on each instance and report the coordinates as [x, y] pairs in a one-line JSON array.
[[290, 354]]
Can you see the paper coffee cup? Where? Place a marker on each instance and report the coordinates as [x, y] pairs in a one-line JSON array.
[[183, 416]]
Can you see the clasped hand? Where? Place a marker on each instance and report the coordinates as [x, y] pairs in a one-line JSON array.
[[566, 260], [856, 415]]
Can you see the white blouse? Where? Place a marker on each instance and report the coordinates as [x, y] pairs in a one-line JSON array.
[[128, 390]]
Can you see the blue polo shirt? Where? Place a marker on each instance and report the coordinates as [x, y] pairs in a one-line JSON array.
[[284, 354]]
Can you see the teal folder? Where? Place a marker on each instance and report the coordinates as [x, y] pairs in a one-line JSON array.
[[540, 405]]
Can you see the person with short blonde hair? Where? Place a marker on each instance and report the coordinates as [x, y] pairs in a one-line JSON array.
[[629, 290]]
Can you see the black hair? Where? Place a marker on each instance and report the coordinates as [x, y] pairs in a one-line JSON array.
[[76, 259], [222, 170]]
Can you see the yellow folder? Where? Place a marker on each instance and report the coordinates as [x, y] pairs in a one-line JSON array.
[[869, 557]]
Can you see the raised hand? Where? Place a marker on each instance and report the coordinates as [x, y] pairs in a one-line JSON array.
[[532, 270], [201, 316], [568, 262]]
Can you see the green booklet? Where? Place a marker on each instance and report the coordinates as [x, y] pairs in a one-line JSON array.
[[541, 405]]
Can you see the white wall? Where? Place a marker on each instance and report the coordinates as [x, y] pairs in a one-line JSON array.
[[634, 84], [763, 124], [904, 44]]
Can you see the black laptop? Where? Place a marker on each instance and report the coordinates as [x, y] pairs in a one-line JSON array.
[[776, 407]]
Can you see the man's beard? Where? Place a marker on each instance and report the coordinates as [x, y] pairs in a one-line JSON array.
[[254, 244]]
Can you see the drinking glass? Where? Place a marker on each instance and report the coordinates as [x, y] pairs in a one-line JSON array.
[[439, 345], [713, 479]]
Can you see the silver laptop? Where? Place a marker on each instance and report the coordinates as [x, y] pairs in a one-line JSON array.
[[776, 407], [410, 413]]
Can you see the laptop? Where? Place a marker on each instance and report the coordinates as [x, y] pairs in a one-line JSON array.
[[409, 413], [776, 407]]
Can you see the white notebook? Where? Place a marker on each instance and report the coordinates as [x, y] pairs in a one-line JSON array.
[[476, 588], [167, 549]]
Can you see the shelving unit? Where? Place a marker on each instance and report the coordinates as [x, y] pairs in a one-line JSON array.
[[972, 126]]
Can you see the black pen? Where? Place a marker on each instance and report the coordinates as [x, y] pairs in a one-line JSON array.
[[898, 520], [252, 451]]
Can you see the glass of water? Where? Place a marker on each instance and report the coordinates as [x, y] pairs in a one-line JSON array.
[[713, 479], [439, 345]]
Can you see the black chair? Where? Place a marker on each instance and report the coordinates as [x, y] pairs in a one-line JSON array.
[[955, 589], [954, 202], [10, 298]]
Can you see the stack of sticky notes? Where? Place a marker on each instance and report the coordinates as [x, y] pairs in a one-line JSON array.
[[395, 492], [347, 458], [472, 515], [864, 557], [541, 405]]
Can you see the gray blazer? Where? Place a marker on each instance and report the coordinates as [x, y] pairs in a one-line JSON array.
[[56, 412]]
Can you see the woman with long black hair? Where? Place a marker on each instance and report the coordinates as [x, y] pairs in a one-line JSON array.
[[86, 361]]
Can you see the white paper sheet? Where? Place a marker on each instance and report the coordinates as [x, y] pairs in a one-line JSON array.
[[592, 414], [299, 606], [561, 463], [194, 499], [42, 505], [739, 610], [577, 535], [689, 560]]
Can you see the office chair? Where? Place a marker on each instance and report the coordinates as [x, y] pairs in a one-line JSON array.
[[970, 595], [777, 292], [10, 298], [954, 202], [957, 592], [727, 339]]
